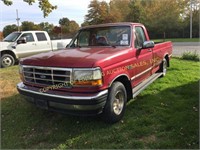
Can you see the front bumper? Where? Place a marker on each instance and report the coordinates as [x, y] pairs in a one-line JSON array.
[[78, 104]]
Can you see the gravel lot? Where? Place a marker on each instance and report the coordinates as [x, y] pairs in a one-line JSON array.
[[180, 47]]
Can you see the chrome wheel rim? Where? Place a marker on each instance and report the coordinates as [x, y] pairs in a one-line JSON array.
[[118, 103], [7, 61], [164, 67]]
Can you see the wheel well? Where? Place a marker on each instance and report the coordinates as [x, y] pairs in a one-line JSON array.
[[125, 81], [167, 58], [8, 52]]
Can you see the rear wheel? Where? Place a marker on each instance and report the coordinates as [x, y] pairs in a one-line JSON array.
[[116, 103], [7, 60]]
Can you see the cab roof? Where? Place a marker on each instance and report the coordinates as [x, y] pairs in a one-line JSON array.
[[28, 31], [112, 24]]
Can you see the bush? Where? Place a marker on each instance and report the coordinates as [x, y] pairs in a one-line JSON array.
[[191, 56]]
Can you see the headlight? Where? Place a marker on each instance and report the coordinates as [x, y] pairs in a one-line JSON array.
[[87, 77]]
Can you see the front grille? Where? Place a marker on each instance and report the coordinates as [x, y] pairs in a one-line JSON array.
[[47, 75]]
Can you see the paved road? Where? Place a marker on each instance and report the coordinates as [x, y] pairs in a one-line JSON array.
[[180, 47]]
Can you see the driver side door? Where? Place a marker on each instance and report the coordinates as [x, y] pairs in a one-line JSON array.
[[28, 48], [143, 65]]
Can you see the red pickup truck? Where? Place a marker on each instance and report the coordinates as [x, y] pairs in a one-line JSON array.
[[102, 68]]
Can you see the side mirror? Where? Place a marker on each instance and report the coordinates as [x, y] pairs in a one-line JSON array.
[[148, 44], [21, 41]]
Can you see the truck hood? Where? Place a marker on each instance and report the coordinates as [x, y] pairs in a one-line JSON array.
[[76, 57], [5, 45]]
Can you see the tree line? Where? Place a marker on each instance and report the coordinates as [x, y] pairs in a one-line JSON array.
[[66, 29], [163, 18]]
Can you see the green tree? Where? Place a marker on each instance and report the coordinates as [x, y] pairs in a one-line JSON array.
[[64, 21], [73, 27], [44, 5], [161, 17], [85, 24], [68, 27], [46, 26], [164, 17], [102, 12], [56, 33], [136, 11], [9, 29], [93, 16], [119, 10], [99, 12], [27, 26]]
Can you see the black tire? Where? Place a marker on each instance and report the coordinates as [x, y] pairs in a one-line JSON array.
[[7, 60], [163, 67], [116, 103]]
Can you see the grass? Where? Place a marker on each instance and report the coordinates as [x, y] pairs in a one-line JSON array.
[[178, 40], [165, 115]]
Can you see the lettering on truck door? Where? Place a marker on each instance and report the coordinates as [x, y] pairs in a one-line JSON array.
[[143, 67]]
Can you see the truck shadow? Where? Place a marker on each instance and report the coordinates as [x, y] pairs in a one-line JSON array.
[[43, 129]]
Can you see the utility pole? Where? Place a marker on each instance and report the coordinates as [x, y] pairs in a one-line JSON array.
[[191, 19], [17, 20]]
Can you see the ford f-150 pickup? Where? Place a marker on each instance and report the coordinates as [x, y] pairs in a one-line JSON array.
[[103, 67], [25, 43]]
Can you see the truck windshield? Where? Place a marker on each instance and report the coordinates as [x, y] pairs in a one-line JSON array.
[[103, 36], [11, 37]]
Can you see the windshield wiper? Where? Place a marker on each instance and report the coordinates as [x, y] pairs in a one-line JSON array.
[[106, 44], [113, 46]]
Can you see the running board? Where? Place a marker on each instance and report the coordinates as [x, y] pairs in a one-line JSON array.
[[139, 88]]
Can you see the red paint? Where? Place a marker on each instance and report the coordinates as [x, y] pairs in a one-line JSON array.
[[132, 61]]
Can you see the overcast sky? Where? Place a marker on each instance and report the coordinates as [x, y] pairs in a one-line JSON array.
[[72, 9]]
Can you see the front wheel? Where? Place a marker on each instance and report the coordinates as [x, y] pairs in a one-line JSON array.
[[7, 60], [116, 103]]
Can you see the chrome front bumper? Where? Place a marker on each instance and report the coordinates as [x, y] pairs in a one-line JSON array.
[[80, 104]]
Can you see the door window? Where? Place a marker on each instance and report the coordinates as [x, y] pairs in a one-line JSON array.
[[28, 36], [139, 37]]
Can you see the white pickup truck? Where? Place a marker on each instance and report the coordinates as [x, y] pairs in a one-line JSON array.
[[25, 43]]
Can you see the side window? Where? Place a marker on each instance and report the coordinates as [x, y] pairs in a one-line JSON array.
[[41, 37], [28, 36], [139, 37]]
